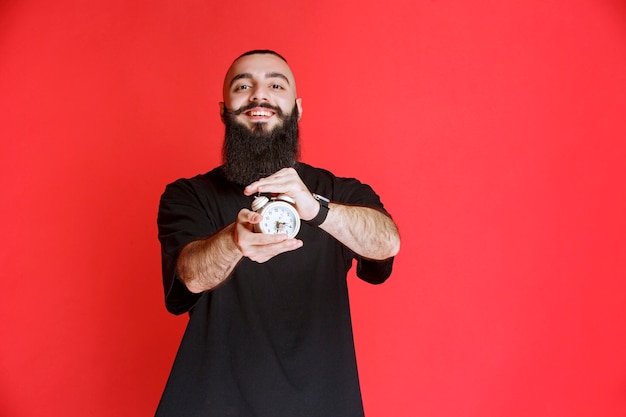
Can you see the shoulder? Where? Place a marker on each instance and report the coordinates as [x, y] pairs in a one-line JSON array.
[[339, 189], [306, 170], [212, 181], [213, 176], [310, 173]]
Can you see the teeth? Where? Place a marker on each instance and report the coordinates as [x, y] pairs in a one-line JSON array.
[[260, 113]]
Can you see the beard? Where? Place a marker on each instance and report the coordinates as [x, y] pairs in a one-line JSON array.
[[251, 154]]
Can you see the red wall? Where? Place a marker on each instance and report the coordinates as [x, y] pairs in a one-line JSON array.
[[493, 130]]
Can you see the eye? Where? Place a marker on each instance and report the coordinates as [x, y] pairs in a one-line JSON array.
[[276, 87], [242, 87]]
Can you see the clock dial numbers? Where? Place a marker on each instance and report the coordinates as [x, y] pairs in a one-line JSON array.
[[279, 216], [278, 220]]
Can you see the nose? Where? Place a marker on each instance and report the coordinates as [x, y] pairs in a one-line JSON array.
[[259, 93]]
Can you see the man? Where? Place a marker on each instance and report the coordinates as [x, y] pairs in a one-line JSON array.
[[269, 330]]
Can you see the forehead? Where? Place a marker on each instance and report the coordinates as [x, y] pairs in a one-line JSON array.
[[258, 66]]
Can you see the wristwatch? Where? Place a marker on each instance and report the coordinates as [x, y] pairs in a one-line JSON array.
[[324, 209]]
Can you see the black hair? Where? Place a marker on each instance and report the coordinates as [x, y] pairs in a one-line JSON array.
[[261, 51]]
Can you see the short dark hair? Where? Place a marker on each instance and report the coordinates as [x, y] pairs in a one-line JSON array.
[[261, 51]]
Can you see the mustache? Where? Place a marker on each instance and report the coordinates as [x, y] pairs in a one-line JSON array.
[[251, 106]]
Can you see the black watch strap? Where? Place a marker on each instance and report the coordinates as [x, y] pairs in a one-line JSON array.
[[321, 215]]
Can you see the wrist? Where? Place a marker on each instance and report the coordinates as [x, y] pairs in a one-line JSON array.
[[322, 212]]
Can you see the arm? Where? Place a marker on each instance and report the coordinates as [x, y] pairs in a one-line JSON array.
[[368, 232], [205, 264]]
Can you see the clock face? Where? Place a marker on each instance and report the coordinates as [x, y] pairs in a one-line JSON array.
[[280, 217]]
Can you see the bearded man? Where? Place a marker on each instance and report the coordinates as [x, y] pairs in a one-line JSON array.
[[269, 330]]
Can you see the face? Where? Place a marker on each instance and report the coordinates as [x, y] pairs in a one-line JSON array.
[[256, 88]]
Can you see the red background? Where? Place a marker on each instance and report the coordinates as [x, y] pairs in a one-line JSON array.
[[494, 131]]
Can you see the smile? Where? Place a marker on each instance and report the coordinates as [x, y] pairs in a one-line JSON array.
[[259, 113], [263, 113]]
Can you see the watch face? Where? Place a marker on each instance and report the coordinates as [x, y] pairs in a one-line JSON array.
[[280, 217]]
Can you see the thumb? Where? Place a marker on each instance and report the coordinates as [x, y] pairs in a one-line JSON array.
[[249, 216]]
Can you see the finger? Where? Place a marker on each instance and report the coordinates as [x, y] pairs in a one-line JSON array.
[[264, 253], [266, 239], [265, 185], [279, 182], [248, 216]]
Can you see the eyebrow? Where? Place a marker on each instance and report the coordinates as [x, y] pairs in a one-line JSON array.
[[247, 75]]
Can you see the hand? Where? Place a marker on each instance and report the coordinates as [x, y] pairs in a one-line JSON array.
[[259, 247], [288, 182]]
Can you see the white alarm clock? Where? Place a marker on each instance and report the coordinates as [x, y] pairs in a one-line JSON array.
[[279, 215]]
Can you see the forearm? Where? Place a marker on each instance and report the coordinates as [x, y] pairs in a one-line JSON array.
[[367, 231], [205, 264]]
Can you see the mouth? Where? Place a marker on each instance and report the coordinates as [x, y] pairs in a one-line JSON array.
[[259, 114]]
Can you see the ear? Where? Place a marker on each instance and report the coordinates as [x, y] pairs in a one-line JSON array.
[[221, 103], [299, 104]]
